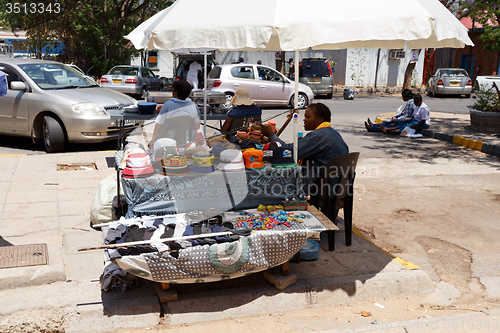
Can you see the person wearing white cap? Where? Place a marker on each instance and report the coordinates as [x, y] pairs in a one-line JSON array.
[[245, 112]]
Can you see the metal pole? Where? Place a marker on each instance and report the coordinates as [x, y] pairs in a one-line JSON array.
[[471, 63], [376, 68], [296, 107], [204, 94]]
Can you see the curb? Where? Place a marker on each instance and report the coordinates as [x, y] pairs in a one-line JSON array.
[[484, 147], [306, 293]]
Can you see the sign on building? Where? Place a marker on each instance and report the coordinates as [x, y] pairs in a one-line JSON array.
[[6, 50]]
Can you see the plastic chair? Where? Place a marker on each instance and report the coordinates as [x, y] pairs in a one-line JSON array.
[[335, 190]]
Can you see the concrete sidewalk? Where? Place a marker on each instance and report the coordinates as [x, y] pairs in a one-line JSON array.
[[43, 202], [455, 128]]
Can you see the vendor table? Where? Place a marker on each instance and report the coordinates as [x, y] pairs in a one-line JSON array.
[[261, 250], [125, 118], [225, 190]]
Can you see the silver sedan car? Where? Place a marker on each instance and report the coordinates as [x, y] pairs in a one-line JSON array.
[[266, 86], [132, 80], [51, 101], [450, 81]]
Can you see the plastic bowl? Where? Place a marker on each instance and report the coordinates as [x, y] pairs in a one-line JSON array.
[[146, 107]]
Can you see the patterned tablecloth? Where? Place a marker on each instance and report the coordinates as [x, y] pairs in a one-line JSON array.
[[224, 190], [261, 250]]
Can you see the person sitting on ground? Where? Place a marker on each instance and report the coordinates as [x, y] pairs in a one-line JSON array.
[[243, 115], [404, 116], [176, 107], [320, 145], [421, 119]]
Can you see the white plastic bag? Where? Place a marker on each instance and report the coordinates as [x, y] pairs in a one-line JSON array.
[[408, 131], [399, 110], [101, 210]]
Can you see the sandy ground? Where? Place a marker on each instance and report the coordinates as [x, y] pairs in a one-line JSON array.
[[348, 316]]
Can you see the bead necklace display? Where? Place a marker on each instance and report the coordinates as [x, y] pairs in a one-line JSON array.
[[269, 220]]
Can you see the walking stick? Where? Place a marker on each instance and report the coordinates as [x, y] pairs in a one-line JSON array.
[[289, 116], [243, 232]]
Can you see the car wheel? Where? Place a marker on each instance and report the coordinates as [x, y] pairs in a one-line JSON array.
[[53, 135], [302, 102], [429, 93], [467, 95], [161, 87], [329, 96], [144, 93], [229, 96]]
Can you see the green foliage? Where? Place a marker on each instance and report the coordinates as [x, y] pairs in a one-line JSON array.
[[332, 63], [357, 67], [487, 14], [91, 30], [486, 99]]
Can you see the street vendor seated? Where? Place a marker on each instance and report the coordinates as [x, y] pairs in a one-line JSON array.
[[320, 145], [243, 115], [178, 106]]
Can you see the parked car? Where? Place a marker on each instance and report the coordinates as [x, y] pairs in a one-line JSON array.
[[266, 86], [450, 81], [486, 82], [132, 80], [51, 101], [183, 60], [317, 74]]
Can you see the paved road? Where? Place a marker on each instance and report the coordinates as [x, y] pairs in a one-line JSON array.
[[348, 117], [428, 202]]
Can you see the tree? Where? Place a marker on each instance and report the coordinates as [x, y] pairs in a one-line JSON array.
[[92, 30], [454, 6], [408, 74], [486, 13]]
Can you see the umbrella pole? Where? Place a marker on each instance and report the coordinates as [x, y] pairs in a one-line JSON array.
[[296, 107], [205, 94]]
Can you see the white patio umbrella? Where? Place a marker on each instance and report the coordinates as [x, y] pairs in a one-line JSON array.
[[289, 25], [293, 25]]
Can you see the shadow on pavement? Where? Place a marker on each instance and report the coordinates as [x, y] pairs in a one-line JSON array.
[[339, 272], [425, 149], [3, 242], [22, 145]]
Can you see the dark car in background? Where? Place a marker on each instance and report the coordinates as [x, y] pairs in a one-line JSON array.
[[183, 60], [450, 81], [318, 75], [132, 80]]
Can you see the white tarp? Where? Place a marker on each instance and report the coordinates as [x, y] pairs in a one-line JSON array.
[[198, 25]]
